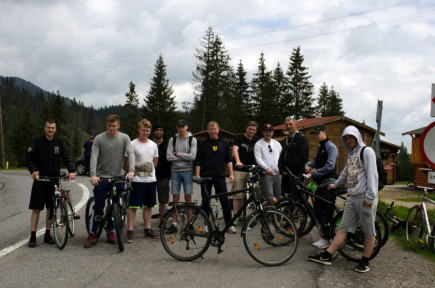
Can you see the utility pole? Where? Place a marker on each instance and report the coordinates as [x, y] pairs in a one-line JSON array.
[[2, 145], [377, 139]]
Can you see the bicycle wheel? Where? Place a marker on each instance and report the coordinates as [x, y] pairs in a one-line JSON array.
[[88, 217], [353, 248], [60, 224], [433, 237], [298, 215], [71, 219], [383, 226], [192, 237], [414, 225], [119, 227], [270, 237]]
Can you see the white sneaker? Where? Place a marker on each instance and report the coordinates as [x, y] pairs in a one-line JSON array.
[[321, 244]]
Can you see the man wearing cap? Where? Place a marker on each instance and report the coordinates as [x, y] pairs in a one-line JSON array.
[[181, 152], [267, 151], [163, 169], [322, 170], [294, 155]]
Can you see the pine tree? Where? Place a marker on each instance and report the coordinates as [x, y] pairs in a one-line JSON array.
[[335, 103], [280, 88], [322, 101], [213, 81], [132, 112], [160, 101], [264, 101], [57, 113], [300, 97]]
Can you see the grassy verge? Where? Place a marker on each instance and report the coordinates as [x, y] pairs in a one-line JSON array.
[[399, 233]]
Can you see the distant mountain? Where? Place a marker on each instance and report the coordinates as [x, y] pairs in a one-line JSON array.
[[28, 86]]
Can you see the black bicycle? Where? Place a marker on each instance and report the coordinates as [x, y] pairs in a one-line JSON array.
[[353, 248], [115, 209], [269, 236], [63, 213]]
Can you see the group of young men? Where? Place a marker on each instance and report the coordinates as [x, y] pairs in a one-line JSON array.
[[150, 165]]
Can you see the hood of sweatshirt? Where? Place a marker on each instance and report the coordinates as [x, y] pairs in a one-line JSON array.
[[353, 131]]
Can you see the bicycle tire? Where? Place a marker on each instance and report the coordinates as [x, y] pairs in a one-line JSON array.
[[71, 220], [433, 237], [353, 248], [88, 217], [60, 224], [119, 227], [298, 214], [383, 226], [192, 238], [414, 225], [274, 249]]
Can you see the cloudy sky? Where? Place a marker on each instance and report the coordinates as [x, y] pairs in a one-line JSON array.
[[367, 50]]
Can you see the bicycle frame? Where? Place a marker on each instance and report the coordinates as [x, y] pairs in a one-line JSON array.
[[426, 217]]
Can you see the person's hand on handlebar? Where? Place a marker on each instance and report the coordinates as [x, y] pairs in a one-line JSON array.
[[95, 180], [331, 186], [71, 176], [129, 175]]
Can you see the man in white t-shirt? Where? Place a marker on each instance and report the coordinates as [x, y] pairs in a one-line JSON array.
[[144, 183]]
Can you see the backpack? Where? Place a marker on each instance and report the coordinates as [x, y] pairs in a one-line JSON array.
[[382, 175], [174, 140]]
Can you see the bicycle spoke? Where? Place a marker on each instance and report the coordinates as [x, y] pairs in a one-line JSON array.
[[60, 224]]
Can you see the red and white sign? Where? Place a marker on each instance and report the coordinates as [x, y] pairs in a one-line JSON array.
[[427, 145], [432, 102]]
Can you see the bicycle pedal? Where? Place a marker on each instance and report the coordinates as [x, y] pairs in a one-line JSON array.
[[76, 217]]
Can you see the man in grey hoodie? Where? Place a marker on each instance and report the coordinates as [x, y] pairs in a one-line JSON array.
[[362, 178], [182, 155]]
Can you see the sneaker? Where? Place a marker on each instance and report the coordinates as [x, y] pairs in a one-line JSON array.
[[171, 229], [232, 230], [32, 243], [149, 233], [321, 244], [362, 267], [91, 242], [321, 258], [111, 238], [49, 240], [130, 235]]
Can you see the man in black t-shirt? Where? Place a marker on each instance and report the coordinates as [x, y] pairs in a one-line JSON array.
[[43, 159], [243, 154]]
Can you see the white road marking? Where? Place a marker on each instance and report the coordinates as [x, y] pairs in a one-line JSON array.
[[17, 245]]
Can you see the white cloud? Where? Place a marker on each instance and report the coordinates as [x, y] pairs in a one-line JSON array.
[[91, 50]]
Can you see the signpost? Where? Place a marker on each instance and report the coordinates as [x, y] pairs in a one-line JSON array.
[[432, 102]]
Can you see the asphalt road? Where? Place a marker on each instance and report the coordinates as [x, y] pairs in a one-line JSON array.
[[144, 263]]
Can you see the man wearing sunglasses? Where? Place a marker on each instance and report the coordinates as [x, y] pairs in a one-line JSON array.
[[267, 151]]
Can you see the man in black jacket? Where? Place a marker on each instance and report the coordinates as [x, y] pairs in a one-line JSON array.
[[294, 155], [213, 156], [43, 158]]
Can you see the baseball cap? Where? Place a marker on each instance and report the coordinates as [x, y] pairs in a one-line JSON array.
[[267, 126], [317, 129], [181, 122]]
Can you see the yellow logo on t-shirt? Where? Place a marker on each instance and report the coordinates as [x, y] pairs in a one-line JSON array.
[[215, 148]]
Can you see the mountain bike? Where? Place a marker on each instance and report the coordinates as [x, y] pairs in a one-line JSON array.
[[63, 213], [269, 236], [115, 210], [352, 248], [418, 226]]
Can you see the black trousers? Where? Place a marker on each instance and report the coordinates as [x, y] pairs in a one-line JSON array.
[[324, 211]]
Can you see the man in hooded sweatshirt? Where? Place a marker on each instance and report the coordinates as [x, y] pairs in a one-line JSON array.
[[362, 178]]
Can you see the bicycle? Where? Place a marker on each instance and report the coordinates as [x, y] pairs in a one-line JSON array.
[[63, 213], [352, 248], [115, 209], [269, 236], [418, 226]]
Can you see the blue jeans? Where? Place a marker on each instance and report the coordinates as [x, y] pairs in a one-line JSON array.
[[221, 187], [185, 177], [100, 196]]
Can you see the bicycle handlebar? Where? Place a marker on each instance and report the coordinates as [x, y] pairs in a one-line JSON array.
[[116, 179]]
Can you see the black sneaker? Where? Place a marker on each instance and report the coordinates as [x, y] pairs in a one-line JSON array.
[[321, 258], [32, 243], [49, 240], [171, 229], [362, 267]]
